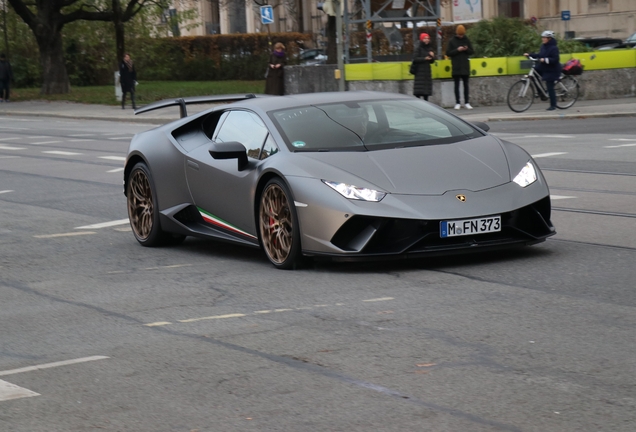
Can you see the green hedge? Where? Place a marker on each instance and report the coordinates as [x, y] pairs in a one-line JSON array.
[[217, 57]]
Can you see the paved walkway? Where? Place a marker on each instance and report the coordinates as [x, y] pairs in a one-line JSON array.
[[624, 107]]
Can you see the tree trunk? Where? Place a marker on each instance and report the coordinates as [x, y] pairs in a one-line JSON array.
[[119, 39], [54, 75], [332, 48]]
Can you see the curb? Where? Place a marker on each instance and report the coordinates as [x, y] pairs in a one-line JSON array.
[[147, 120], [564, 116]]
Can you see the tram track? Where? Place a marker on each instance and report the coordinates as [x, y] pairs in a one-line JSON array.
[[595, 212]]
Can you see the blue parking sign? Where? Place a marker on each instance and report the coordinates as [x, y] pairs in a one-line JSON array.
[[267, 14], [565, 15]]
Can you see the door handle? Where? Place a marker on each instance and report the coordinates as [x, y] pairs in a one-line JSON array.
[[193, 165]]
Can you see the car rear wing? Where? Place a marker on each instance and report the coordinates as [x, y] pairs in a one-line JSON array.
[[182, 102]]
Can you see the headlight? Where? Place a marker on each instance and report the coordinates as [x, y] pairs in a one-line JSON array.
[[526, 176], [356, 193]]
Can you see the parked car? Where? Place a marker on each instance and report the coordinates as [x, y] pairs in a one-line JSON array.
[[597, 42], [630, 42], [312, 56]]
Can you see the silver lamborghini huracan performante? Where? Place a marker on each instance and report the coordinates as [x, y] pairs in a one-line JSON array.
[[349, 175]]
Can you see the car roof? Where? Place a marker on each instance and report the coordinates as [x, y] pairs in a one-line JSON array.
[[304, 99]]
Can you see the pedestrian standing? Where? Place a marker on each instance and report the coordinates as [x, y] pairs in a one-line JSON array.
[[549, 66], [423, 79], [459, 50], [275, 81], [127, 79], [6, 75]]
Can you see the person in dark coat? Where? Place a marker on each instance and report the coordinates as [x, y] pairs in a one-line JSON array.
[[424, 56], [6, 75], [549, 64], [127, 79], [275, 81], [459, 49]]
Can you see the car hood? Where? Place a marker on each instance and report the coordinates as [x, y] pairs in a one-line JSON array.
[[474, 165]]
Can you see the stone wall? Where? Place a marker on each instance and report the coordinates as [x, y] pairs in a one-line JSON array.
[[484, 91]]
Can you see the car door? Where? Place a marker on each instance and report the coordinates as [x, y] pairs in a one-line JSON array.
[[219, 189]]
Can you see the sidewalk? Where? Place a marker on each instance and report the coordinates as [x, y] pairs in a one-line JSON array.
[[624, 107]]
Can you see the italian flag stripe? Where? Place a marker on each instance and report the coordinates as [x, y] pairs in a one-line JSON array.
[[209, 218]]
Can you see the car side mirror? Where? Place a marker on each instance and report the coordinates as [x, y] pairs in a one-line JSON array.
[[481, 125], [230, 150]]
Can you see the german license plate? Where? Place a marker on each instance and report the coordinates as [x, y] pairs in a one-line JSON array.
[[453, 228]]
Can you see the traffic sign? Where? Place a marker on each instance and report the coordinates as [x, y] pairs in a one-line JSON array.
[[267, 14], [565, 15]]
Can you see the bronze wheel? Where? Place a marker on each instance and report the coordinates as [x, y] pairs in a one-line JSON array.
[[143, 211], [140, 204], [278, 226]]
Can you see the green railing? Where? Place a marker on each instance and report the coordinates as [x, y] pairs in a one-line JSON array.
[[483, 67]]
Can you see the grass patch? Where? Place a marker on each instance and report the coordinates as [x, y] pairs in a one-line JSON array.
[[147, 91]]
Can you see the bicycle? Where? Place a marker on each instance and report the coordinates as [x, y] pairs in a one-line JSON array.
[[521, 97]]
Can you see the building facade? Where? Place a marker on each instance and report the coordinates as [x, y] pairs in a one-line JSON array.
[[587, 18]]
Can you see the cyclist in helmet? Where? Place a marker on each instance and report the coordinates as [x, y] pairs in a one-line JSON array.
[[549, 66]]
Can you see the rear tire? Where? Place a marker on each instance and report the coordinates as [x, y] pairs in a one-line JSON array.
[[567, 92], [518, 102], [278, 226], [143, 211]]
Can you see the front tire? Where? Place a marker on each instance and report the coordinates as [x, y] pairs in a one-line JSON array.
[[278, 225], [567, 92], [520, 96], [143, 211]]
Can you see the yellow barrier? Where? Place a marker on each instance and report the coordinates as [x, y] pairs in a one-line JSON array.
[[482, 67]]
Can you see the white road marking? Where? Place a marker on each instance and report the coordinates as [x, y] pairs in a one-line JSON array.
[[120, 138], [52, 365], [46, 142], [258, 312], [37, 137], [117, 158], [81, 140], [105, 224], [43, 236], [540, 155], [10, 391], [5, 191], [158, 324], [236, 315], [559, 197], [62, 153], [9, 139], [547, 136], [622, 139], [13, 128], [81, 135], [379, 299], [9, 157], [168, 266], [2, 147], [115, 170], [621, 145]]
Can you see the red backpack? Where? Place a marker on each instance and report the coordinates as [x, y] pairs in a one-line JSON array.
[[573, 67]]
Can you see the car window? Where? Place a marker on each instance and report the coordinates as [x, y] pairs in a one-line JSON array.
[[406, 120], [311, 129], [246, 128], [370, 125], [269, 149]]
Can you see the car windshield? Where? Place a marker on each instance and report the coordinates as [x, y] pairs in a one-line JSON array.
[[369, 125]]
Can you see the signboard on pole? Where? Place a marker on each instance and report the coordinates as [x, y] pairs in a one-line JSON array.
[[466, 11], [267, 15], [565, 15]]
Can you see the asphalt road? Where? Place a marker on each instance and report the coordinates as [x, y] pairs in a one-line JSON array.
[[98, 333]]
